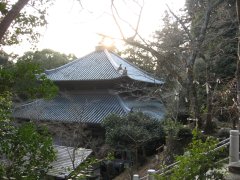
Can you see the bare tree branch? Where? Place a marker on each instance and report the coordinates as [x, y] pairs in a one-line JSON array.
[[182, 23], [115, 19]]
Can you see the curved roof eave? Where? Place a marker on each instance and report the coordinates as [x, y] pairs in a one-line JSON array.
[[85, 108]]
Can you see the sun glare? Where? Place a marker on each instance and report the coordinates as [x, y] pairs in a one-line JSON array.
[[108, 42]]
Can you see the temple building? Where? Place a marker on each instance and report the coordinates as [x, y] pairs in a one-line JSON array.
[[91, 88]]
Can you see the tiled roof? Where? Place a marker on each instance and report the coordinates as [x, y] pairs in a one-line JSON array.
[[134, 72], [99, 65], [94, 66], [62, 166], [152, 107], [86, 108]]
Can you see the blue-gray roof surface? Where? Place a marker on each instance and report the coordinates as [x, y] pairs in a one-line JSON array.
[[85, 108], [153, 108], [62, 166], [94, 66], [99, 65], [134, 72]]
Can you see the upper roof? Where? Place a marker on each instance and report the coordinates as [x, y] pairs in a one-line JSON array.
[[100, 65]]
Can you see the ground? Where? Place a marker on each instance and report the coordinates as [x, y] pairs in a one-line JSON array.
[[152, 163]]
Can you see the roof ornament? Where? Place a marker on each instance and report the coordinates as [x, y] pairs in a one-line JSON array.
[[120, 67], [124, 71], [121, 70]]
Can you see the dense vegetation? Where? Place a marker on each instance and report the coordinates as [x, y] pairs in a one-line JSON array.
[[196, 53], [25, 150], [135, 132], [47, 58]]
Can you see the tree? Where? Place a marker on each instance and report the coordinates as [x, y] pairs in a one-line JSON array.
[[47, 58], [200, 161], [196, 36], [238, 61], [16, 23], [217, 55], [25, 80], [25, 151], [171, 44], [135, 131]]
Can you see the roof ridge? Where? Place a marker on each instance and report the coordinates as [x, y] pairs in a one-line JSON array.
[[111, 60]]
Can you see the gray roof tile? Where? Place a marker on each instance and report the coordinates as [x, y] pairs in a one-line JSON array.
[[94, 66], [62, 166], [86, 108], [99, 65]]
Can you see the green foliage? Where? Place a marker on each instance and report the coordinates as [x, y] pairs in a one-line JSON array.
[[135, 128], [184, 133], [171, 127], [82, 171], [26, 79], [176, 129], [140, 57], [25, 152], [177, 138], [32, 16], [47, 58], [198, 162]]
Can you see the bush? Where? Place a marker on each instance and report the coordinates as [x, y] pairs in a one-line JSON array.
[[224, 133], [28, 152], [198, 162], [134, 132], [184, 133]]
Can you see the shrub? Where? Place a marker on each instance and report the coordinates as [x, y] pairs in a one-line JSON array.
[[198, 162], [134, 132]]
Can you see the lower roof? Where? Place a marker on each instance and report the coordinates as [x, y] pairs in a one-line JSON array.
[[63, 166], [85, 108]]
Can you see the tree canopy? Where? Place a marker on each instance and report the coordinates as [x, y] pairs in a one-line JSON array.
[[25, 151], [196, 53], [135, 130], [47, 58]]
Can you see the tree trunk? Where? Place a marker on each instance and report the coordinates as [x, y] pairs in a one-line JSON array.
[[192, 86], [238, 62], [208, 125], [194, 96], [9, 18]]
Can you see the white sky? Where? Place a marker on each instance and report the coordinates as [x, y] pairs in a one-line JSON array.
[[74, 30]]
